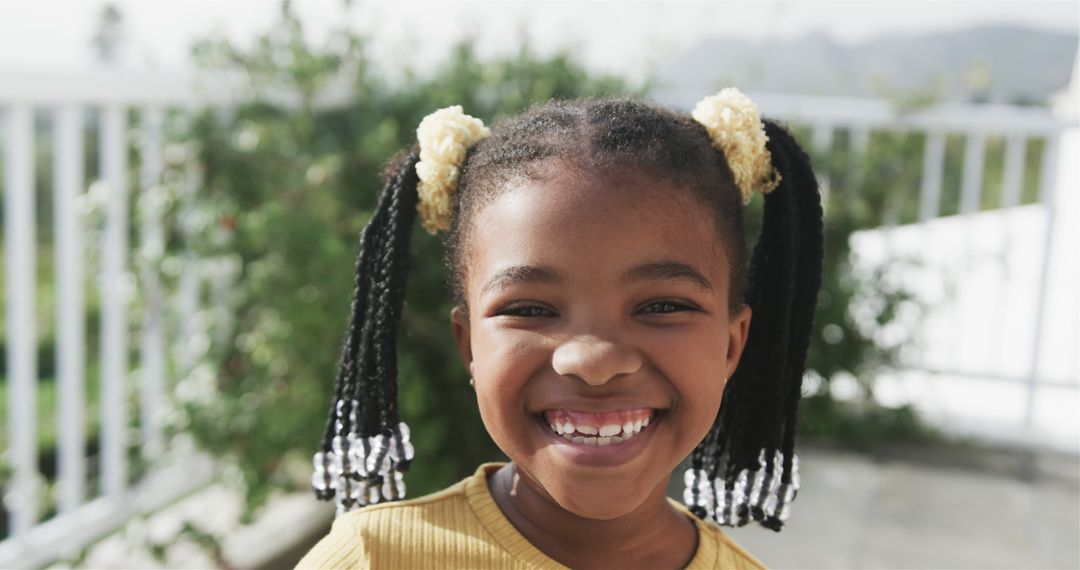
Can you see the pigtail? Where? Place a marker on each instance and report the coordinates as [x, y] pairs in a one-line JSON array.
[[366, 448], [746, 468]]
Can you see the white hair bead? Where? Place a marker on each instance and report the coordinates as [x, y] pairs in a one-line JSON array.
[[731, 502]]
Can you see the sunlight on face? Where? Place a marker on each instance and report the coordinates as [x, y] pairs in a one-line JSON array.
[[597, 301]]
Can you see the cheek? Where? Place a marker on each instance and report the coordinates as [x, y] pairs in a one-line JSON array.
[[503, 365], [699, 403], [505, 357], [701, 399], [696, 351], [694, 362]]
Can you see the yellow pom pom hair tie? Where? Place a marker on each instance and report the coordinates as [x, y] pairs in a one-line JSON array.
[[735, 128], [444, 136]]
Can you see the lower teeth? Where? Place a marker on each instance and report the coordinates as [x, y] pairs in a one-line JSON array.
[[597, 441]]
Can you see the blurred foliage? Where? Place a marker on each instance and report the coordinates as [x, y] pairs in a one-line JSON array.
[[863, 428], [287, 183]]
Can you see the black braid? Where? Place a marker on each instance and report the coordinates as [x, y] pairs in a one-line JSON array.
[[365, 369], [367, 384], [378, 391], [393, 270], [348, 369], [763, 366], [807, 274]]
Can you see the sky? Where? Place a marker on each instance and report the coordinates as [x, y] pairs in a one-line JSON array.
[[622, 37]]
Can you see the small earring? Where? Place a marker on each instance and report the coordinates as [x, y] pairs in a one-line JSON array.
[[472, 382]]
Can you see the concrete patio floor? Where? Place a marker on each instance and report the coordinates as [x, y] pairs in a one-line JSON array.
[[927, 508]]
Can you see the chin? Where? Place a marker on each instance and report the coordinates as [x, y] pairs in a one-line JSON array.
[[602, 498]]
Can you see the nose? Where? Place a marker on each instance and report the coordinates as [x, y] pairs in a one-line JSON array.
[[596, 361]]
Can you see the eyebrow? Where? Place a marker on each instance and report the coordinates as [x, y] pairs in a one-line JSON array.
[[522, 275], [544, 274], [665, 271]]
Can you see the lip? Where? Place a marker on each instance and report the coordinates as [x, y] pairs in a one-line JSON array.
[[596, 456]]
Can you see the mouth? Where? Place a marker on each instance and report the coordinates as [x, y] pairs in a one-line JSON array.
[[616, 428]]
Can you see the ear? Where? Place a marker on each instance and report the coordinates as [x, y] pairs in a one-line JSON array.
[[737, 335], [459, 316]]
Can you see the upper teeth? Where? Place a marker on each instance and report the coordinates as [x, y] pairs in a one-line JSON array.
[[607, 434]]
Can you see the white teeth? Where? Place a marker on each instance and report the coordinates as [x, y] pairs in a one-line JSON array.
[[610, 430], [599, 436]]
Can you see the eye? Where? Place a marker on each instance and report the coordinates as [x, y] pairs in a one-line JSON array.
[[667, 306], [525, 311]]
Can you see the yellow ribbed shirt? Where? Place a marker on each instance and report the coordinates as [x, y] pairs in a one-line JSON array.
[[462, 527]]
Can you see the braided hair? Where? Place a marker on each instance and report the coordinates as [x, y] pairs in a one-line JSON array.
[[745, 469], [365, 448]]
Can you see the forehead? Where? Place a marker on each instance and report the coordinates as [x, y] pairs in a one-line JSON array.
[[593, 227]]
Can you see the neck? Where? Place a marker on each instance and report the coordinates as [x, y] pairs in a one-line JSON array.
[[654, 535]]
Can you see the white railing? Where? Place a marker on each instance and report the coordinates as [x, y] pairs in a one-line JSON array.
[[64, 100]]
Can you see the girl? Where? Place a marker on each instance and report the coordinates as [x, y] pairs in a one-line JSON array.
[[612, 325]]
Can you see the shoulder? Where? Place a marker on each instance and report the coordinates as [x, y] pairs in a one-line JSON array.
[[375, 536], [729, 553], [458, 527], [401, 521], [343, 547], [715, 548]]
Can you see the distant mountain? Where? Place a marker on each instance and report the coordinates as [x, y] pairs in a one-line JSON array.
[[1000, 63]]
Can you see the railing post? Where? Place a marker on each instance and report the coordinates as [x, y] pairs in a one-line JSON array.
[[70, 325], [1013, 177], [822, 142], [933, 169], [22, 494], [1047, 176], [859, 144], [151, 248], [972, 181], [115, 285]]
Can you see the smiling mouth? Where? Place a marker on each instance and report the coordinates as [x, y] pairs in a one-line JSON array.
[[599, 428]]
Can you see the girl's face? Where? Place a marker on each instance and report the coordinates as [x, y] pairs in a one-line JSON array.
[[597, 306]]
